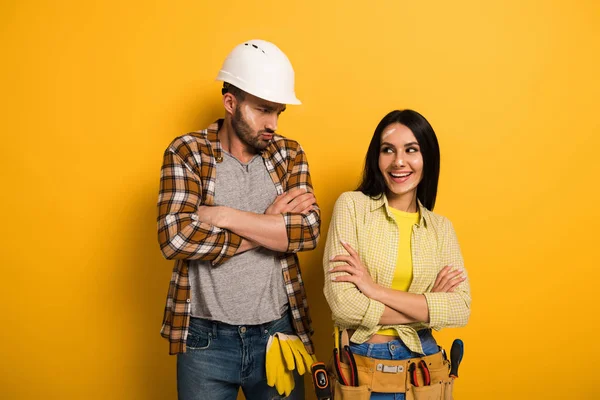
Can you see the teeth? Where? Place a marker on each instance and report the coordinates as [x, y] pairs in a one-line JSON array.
[[403, 175]]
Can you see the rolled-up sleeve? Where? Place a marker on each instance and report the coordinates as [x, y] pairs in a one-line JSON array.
[[448, 310], [303, 230], [349, 307], [180, 234]]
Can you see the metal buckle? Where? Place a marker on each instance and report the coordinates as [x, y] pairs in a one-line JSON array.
[[390, 369]]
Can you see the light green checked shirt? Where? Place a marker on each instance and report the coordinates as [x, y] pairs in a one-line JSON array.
[[369, 227]]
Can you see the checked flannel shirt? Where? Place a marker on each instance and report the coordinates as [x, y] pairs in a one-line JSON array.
[[187, 181]]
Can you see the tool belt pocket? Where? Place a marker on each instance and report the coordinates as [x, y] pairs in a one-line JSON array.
[[429, 392], [342, 392], [439, 385], [435, 391]]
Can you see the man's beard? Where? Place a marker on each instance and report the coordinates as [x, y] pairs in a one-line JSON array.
[[244, 132]]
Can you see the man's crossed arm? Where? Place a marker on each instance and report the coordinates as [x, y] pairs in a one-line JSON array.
[[265, 230]]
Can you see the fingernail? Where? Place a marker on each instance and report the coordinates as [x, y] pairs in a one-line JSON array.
[[343, 241], [333, 278], [331, 259]]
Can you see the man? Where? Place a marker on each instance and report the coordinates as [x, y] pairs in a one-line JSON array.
[[235, 205]]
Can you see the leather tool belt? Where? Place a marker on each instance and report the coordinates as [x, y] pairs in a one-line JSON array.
[[354, 377]]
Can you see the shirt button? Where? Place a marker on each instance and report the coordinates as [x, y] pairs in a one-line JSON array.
[[219, 159], [188, 300]]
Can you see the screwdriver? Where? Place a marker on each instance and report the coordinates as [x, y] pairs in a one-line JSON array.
[[456, 355]]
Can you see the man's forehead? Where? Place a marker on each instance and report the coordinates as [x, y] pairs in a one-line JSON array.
[[266, 103]]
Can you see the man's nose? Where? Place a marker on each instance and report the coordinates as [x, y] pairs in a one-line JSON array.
[[271, 124]]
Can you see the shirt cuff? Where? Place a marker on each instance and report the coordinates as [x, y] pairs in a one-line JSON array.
[[301, 231], [231, 243], [373, 314], [435, 304]]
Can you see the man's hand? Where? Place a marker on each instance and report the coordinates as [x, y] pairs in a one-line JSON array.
[[212, 215], [295, 201]]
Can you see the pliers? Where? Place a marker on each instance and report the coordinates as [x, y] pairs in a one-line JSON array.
[[412, 369], [351, 363]]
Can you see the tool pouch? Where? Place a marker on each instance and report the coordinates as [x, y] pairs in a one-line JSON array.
[[441, 384], [435, 391], [343, 392], [392, 376]]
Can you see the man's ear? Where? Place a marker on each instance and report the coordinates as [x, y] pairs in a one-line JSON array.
[[230, 103]]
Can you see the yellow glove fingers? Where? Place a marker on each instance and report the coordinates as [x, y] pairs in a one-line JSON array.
[[273, 360], [280, 386], [289, 382], [299, 362], [285, 381], [303, 360], [286, 351], [308, 359]]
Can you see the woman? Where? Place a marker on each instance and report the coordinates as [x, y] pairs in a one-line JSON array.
[[393, 268]]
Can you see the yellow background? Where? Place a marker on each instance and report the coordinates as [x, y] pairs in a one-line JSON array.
[[93, 92]]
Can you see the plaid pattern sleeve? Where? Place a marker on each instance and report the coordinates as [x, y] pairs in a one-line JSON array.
[[302, 230], [180, 234], [447, 310]]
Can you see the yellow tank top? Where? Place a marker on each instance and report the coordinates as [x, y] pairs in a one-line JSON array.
[[403, 273]]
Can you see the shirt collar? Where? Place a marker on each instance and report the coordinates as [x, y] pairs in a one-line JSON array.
[[382, 201]]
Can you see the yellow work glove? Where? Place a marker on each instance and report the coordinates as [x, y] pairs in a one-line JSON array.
[[295, 354], [286, 353], [277, 374]]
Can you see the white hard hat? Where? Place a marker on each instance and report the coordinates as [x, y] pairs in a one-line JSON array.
[[261, 69]]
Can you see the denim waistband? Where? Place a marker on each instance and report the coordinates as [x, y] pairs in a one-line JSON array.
[[216, 328], [396, 349]]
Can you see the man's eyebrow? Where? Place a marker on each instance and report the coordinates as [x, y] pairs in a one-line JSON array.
[[271, 108]]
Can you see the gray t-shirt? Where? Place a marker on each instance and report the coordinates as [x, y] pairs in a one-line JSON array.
[[248, 288]]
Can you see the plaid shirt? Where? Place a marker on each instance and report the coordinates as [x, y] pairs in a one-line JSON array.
[[369, 227], [187, 181]]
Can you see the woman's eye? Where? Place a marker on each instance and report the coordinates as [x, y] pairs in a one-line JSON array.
[[412, 150], [387, 150]]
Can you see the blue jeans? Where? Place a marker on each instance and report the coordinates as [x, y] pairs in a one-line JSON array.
[[395, 350], [221, 358]]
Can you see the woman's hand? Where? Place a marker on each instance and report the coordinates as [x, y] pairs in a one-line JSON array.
[[447, 279], [357, 272]]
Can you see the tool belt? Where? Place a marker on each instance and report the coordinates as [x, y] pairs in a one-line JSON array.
[[422, 378]]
